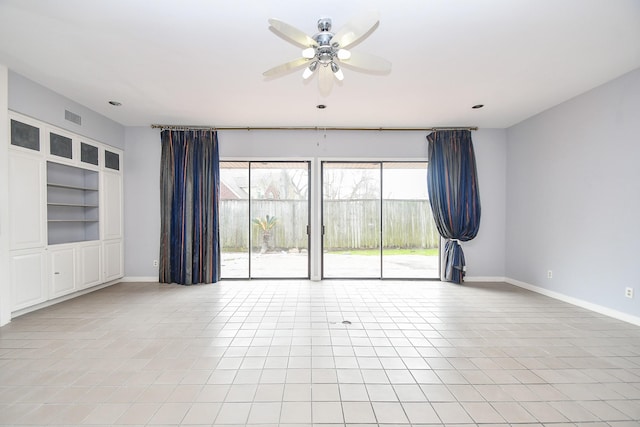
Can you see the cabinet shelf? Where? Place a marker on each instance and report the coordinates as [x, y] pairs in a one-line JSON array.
[[71, 187], [72, 205], [72, 220]]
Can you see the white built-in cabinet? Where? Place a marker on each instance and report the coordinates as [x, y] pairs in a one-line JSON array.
[[113, 260], [65, 213], [112, 196], [89, 265], [27, 200], [62, 271], [28, 275]]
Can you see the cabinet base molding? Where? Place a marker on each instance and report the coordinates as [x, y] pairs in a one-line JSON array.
[[54, 301]]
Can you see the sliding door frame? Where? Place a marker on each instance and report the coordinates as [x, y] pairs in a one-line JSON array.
[[315, 214], [320, 197], [310, 168]]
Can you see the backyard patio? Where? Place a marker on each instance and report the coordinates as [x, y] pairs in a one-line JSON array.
[[341, 265]]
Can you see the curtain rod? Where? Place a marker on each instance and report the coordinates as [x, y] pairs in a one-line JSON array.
[[316, 128]]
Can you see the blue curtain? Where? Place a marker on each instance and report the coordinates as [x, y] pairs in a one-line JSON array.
[[189, 195], [453, 194]]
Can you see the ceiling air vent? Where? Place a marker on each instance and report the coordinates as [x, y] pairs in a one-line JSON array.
[[72, 117]]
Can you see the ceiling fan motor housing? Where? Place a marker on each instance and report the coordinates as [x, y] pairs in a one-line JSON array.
[[325, 52], [324, 24]]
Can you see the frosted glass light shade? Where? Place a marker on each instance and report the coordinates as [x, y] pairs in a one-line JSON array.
[[309, 53], [344, 54]]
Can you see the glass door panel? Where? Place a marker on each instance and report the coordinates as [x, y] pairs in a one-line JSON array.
[[279, 212], [409, 236], [351, 218], [234, 220]]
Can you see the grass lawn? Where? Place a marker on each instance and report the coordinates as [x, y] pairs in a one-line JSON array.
[[376, 252]]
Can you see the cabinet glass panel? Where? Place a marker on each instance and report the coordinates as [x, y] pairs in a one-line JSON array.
[[60, 146], [111, 160], [88, 154], [72, 204], [25, 136]]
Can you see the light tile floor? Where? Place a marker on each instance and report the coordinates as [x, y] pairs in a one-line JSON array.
[[277, 353]]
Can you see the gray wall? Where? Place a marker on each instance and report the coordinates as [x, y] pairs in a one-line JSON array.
[[485, 255], [141, 201], [573, 197], [34, 100]]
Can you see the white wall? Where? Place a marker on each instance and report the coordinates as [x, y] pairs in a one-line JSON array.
[[5, 288], [573, 197], [485, 255]]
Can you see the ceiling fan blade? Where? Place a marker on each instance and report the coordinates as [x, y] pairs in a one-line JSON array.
[[356, 30], [291, 34], [286, 67], [325, 80], [367, 63]]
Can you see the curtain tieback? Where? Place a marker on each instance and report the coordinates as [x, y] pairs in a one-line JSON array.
[[455, 240]]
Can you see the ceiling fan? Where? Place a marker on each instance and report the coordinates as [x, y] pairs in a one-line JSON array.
[[326, 51]]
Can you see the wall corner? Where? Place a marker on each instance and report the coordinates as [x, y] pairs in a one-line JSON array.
[[5, 286]]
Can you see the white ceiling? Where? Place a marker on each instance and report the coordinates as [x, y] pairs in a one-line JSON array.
[[200, 62]]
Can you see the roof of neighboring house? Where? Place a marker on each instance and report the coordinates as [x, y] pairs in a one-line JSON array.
[[230, 189]]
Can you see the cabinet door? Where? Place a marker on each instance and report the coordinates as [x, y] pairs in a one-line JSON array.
[[61, 146], [26, 201], [112, 205], [25, 135], [113, 260], [28, 278], [89, 154], [88, 262], [61, 272]]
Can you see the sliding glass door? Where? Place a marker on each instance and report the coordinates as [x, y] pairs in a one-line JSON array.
[[264, 213], [410, 239], [351, 218], [377, 221]]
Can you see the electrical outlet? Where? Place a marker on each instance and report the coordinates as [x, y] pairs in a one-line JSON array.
[[628, 292], [155, 262], [549, 274]]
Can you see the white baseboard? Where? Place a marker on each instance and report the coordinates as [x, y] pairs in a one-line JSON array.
[[484, 279], [140, 279], [577, 302]]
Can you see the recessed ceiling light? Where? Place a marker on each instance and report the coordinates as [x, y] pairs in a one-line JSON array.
[[477, 106], [321, 106], [115, 103]]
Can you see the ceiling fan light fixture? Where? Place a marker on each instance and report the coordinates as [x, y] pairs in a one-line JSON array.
[[309, 52], [337, 71], [344, 54], [327, 49], [308, 72]]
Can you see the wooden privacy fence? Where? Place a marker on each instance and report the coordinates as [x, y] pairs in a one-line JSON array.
[[350, 224]]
